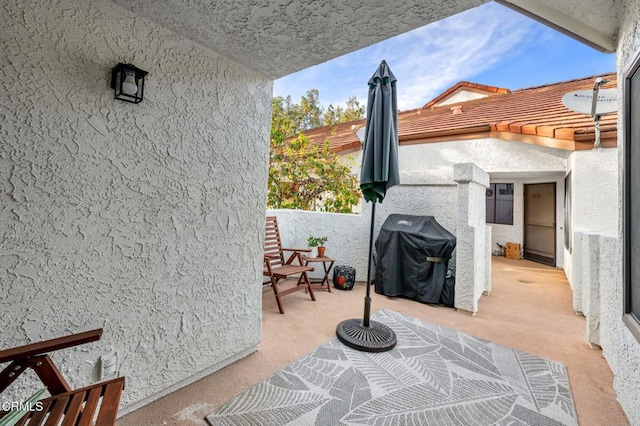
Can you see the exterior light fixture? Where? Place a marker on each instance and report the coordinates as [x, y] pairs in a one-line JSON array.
[[127, 82]]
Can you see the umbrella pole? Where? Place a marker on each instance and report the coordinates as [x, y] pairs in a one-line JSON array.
[[363, 334], [367, 298]]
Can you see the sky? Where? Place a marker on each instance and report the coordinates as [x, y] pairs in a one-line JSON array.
[[490, 45]]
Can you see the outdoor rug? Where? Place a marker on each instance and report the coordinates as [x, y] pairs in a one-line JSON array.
[[434, 376]]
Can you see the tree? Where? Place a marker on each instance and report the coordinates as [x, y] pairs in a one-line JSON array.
[[295, 118], [310, 111], [337, 115], [304, 176], [309, 177]]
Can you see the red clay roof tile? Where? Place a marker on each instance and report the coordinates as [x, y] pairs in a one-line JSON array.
[[537, 112], [461, 86]]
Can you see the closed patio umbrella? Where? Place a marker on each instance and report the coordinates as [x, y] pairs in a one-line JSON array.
[[379, 172], [380, 156]]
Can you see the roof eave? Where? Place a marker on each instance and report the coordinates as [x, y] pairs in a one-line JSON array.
[[579, 140], [563, 23]]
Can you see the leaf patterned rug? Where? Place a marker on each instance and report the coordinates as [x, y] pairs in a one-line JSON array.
[[434, 376]]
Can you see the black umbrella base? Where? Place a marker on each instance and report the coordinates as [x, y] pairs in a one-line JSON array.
[[375, 338]]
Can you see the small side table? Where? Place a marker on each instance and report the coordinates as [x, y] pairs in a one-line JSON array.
[[327, 264]]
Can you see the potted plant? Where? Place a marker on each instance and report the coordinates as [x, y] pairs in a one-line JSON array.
[[312, 242], [321, 248], [317, 245]]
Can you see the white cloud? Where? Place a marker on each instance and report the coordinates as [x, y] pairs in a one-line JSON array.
[[426, 61], [432, 58]]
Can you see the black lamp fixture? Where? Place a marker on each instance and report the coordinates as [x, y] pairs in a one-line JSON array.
[[127, 82]]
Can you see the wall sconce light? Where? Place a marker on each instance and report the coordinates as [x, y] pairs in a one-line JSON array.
[[127, 82]]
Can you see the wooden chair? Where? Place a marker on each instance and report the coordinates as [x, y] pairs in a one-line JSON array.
[[276, 268], [92, 405]]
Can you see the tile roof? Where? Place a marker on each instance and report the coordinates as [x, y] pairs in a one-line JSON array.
[[465, 85], [533, 115]]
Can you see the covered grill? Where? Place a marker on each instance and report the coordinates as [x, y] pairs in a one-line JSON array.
[[413, 254]]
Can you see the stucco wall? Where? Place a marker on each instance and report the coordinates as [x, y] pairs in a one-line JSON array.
[[594, 182], [491, 155], [145, 219], [422, 194], [594, 178], [426, 193], [506, 162], [620, 348], [472, 251], [348, 234], [593, 259]]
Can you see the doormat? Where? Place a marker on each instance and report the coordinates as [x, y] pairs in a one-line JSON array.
[[434, 376]]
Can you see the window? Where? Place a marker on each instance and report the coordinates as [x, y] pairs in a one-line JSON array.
[[500, 203], [631, 199]]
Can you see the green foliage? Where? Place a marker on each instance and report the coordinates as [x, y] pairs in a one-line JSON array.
[[291, 118], [337, 115], [309, 110], [316, 241], [309, 177], [304, 176]]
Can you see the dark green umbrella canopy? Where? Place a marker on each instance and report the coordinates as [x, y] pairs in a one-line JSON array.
[[380, 156]]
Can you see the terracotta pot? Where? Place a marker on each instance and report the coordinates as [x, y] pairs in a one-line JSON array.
[[321, 251]]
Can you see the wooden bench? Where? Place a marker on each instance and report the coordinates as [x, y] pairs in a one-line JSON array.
[[92, 405]]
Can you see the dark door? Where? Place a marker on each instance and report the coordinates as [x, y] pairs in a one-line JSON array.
[[540, 223]]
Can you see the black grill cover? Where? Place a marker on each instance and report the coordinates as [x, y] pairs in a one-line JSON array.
[[408, 250]]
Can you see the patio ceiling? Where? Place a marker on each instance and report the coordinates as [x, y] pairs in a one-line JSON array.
[[594, 22], [277, 38]]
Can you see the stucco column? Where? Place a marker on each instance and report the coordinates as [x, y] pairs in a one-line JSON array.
[[473, 254], [591, 251]]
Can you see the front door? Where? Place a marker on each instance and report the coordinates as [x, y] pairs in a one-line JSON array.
[[540, 223]]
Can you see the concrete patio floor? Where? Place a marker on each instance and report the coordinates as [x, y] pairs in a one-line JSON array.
[[529, 309]]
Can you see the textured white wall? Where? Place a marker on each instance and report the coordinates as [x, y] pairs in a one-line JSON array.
[[421, 193], [472, 250], [423, 197], [587, 274], [620, 347], [491, 155], [598, 13], [348, 235], [278, 38], [146, 219], [506, 162], [594, 175], [595, 203]]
